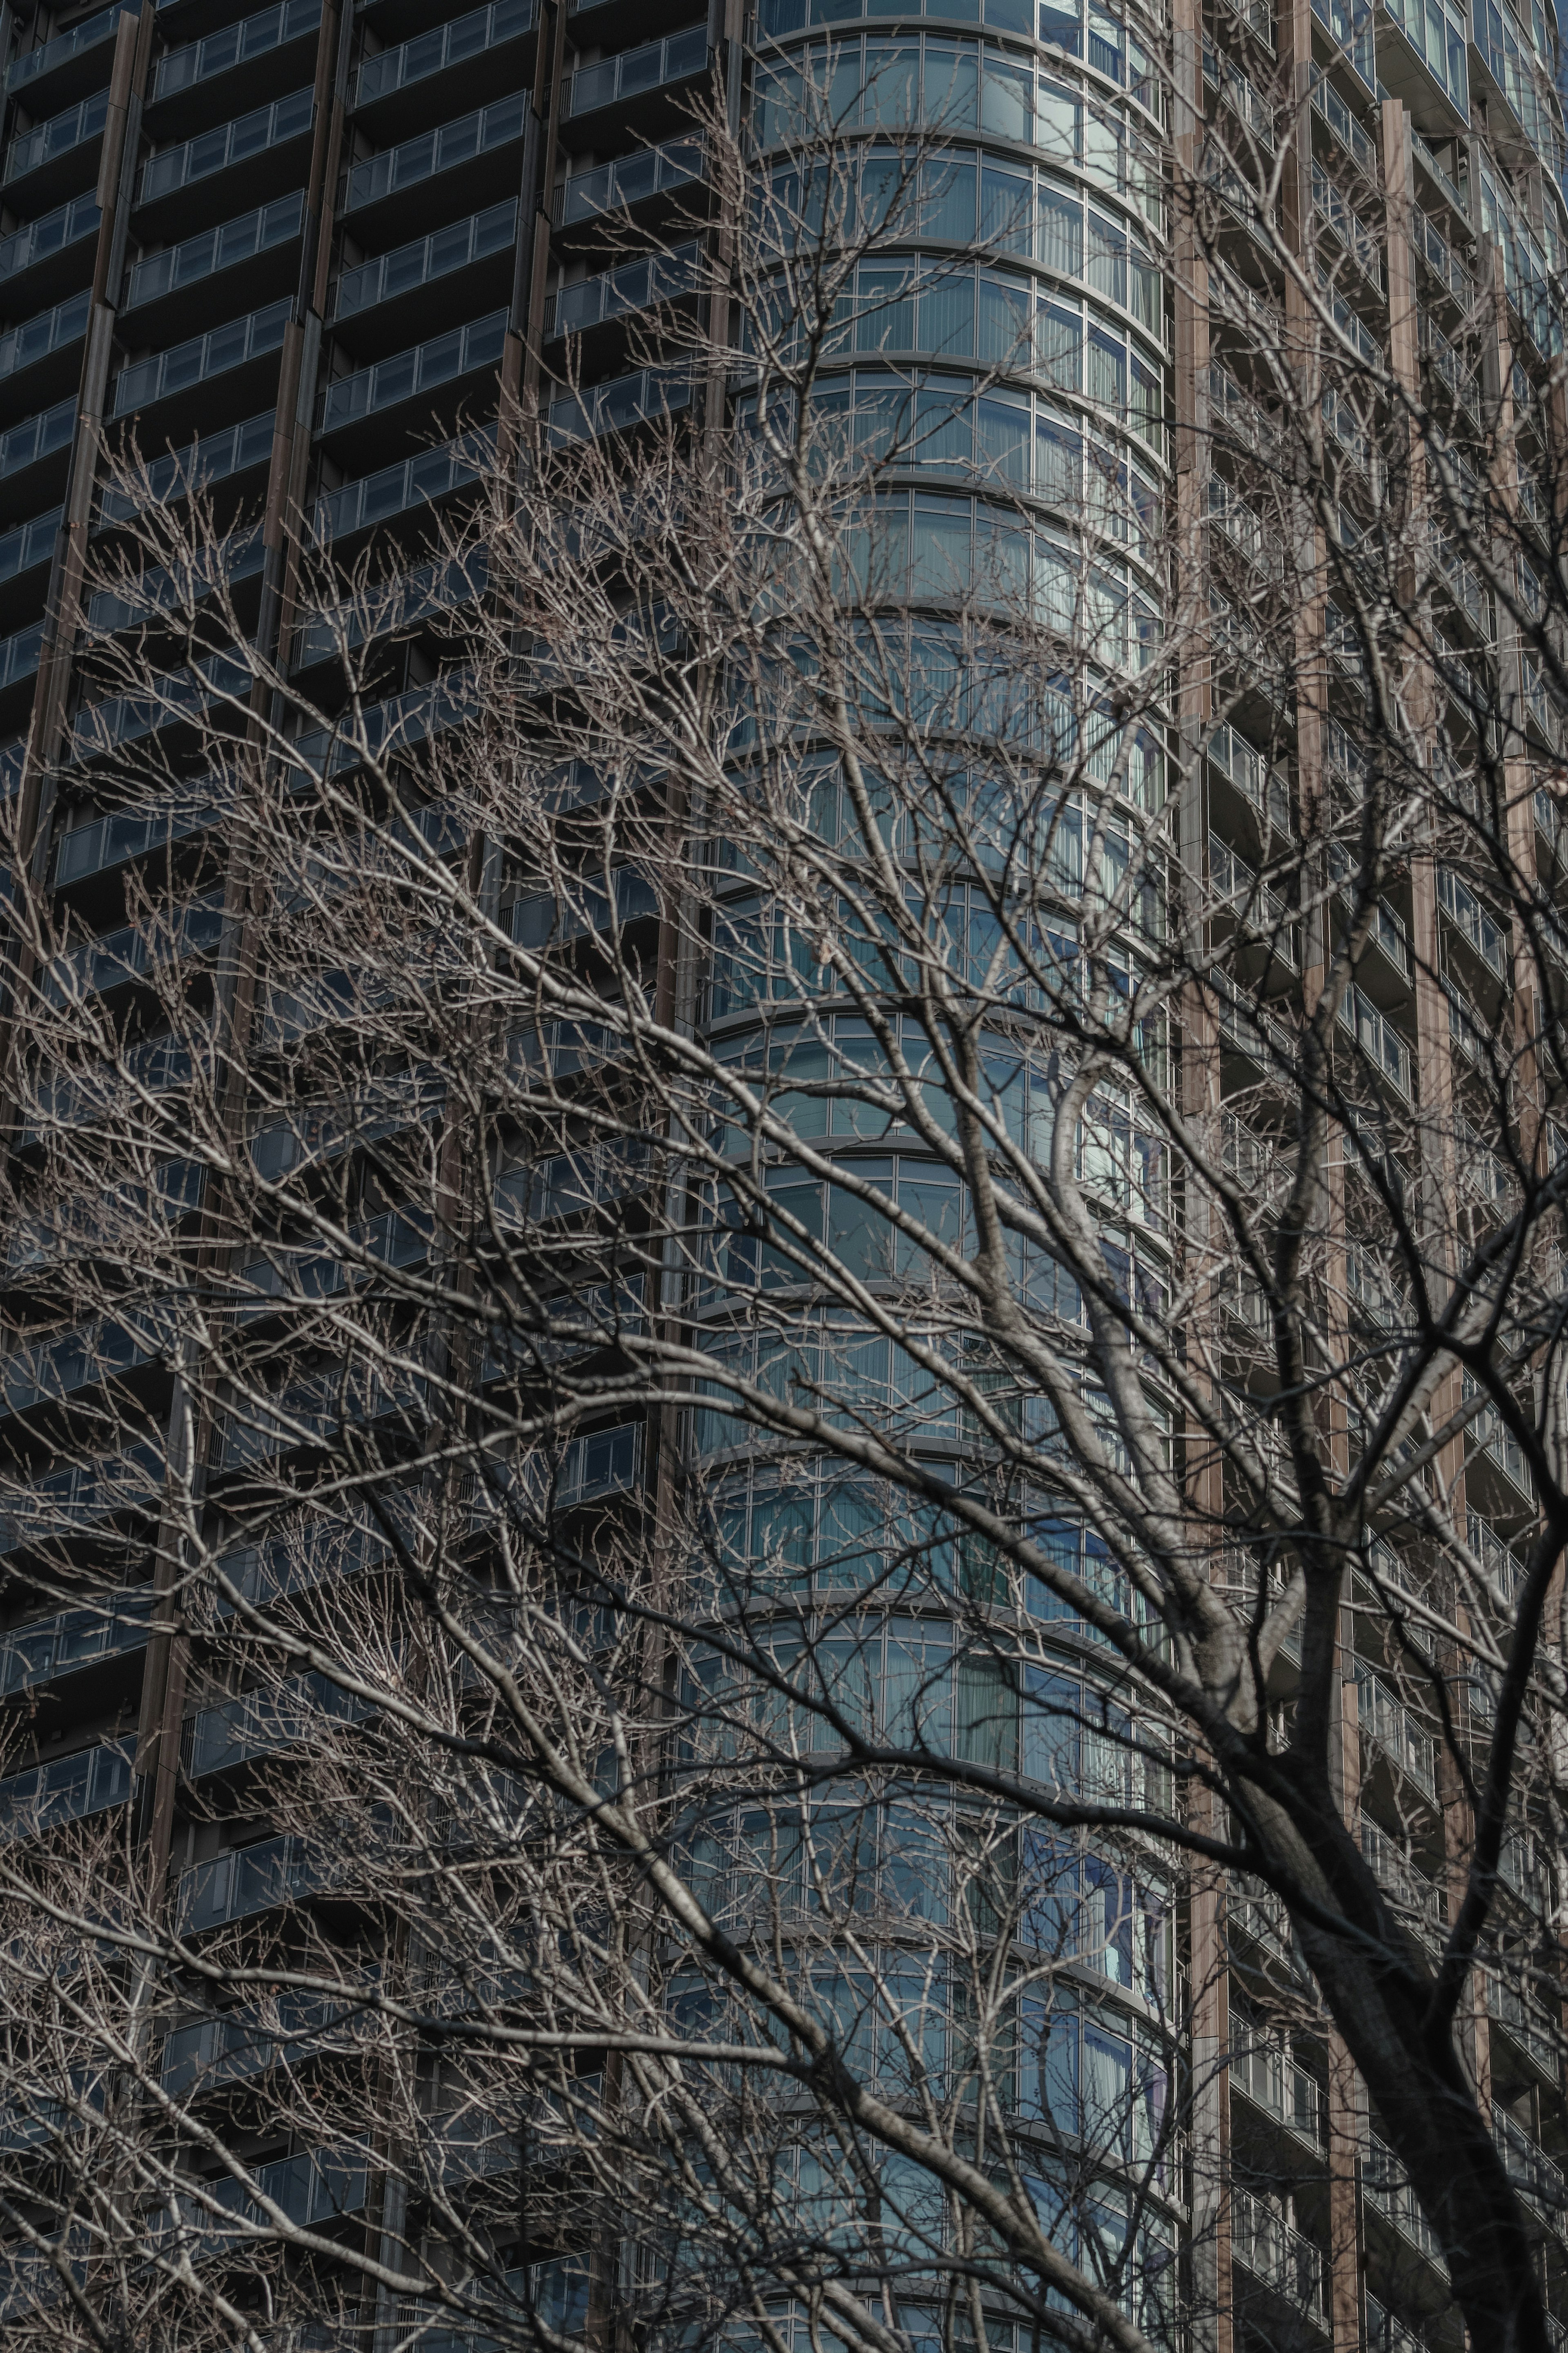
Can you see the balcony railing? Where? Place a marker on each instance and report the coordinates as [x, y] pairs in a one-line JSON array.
[[444, 44], [51, 233], [1399, 1877], [1389, 1724], [237, 45], [65, 46], [392, 727], [1532, 2171], [427, 257], [1387, 2188], [66, 1789], [19, 654], [633, 71], [249, 1879], [201, 359], [1280, 2256], [82, 1495], [217, 249], [181, 695], [630, 286], [213, 459], [442, 360], [1529, 2025], [1328, 103], [52, 1647], [72, 128], [35, 339], [626, 400], [1456, 371], [1264, 786], [1482, 930], [479, 133], [1440, 257], [231, 142], [133, 950], [260, 1724], [1239, 415], [123, 834], [1378, 1038], [394, 489], [29, 544], [1271, 2080], [1492, 1437], [1347, 224], [609, 187]]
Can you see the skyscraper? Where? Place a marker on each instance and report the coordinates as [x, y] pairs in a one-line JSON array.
[[320, 261]]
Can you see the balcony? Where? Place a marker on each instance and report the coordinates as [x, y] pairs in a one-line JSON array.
[[1530, 2170], [1331, 109], [414, 483], [82, 1495], [633, 72], [213, 459], [29, 544], [1482, 930], [603, 1464], [1238, 415], [50, 332], [310, 2189], [263, 1723], [1388, 2189], [48, 55], [36, 437], [238, 2045], [1448, 364], [198, 360], [1264, 2071], [1260, 910], [438, 586], [231, 142], [235, 45], [631, 286], [427, 257], [548, 921], [492, 126], [114, 840], [248, 1880], [81, 1358], [1266, 2246], [52, 233], [1390, 1724], [443, 45], [181, 695], [19, 654], [1361, 242], [1531, 2027], [52, 1647], [1409, 1888], [72, 128], [220, 563], [66, 1789], [1440, 257], [134, 950], [611, 189], [1492, 1437], [1379, 1041], [390, 728], [1348, 25], [443, 360], [217, 249], [640, 398]]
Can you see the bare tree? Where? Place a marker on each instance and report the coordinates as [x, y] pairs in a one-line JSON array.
[[795, 1371]]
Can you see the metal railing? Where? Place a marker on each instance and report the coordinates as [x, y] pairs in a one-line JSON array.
[[1387, 2188], [1282, 2258], [1389, 1724], [443, 45], [196, 257], [426, 259], [419, 369], [50, 232], [633, 72], [1409, 1887], [73, 127], [1440, 257], [66, 46], [479, 133], [630, 286], [231, 142], [609, 187], [235, 45]]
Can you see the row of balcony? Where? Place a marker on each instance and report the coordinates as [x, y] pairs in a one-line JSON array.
[[235, 45]]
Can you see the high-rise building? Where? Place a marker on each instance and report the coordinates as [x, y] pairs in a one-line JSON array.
[[311, 252]]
